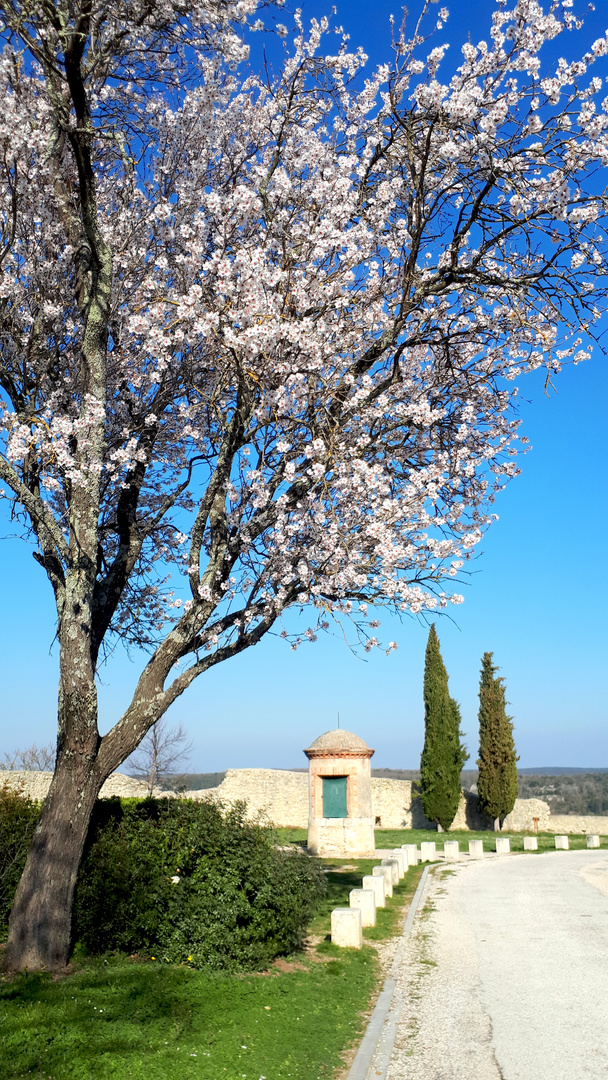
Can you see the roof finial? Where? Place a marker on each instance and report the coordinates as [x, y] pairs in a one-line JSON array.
[[338, 719]]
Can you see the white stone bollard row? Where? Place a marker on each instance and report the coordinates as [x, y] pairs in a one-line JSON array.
[[385, 872], [401, 858], [365, 901], [451, 851], [476, 849], [503, 845], [377, 884], [530, 843], [593, 841], [561, 843], [412, 854], [394, 865], [346, 927], [427, 851]]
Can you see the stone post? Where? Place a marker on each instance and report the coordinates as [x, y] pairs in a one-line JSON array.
[[365, 900], [530, 843], [394, 865], [377, 884], [503, 845], [401, 857], [561, 843], [427, 851], [386, 873], [451, 851], [346, 927], [593, 841], [412, 854], [476, 849]]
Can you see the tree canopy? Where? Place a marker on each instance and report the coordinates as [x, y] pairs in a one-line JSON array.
[[443, 754], [497, 781], [260, 331]]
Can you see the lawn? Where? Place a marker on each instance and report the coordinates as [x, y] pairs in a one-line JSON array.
[[390, 838], [148, 1020]]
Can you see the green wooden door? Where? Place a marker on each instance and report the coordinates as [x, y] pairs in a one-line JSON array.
[[334, 796]]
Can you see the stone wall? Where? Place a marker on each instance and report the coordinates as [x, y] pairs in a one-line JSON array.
[[571, 823], [36, 785], [278, 795], [282, 797]]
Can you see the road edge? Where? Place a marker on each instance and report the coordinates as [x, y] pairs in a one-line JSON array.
[[379, 1038]]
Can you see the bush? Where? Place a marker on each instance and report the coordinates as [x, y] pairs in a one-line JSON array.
[[239, 901], [18, 820]]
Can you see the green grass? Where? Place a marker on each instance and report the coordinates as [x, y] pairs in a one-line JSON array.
[[388, 838], [119, 1018]]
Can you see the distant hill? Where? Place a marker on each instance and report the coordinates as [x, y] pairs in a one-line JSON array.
[[558, 770]]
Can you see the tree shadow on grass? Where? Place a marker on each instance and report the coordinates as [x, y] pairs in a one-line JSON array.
[[65, 1029]]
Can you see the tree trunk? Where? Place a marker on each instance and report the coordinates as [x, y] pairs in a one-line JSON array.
[[439, 827], [39, 934], [497, 824]]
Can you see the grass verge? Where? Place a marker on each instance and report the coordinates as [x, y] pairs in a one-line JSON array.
[[116, 1018], [388, 838]]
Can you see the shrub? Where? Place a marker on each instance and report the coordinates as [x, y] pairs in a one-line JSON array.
[[18, 819], [239, 902]]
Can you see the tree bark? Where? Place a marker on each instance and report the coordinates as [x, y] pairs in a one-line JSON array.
[[39, 934], [497, 824]]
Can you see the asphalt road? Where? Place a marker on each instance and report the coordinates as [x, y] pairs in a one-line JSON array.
[[506, 972]]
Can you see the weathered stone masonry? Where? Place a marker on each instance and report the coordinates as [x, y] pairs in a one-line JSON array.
[[283, 797]]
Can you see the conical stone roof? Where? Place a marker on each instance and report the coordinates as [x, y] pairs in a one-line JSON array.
[[338, 740]]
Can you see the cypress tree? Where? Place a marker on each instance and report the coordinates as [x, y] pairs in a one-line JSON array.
[[443, 755], [497, 762]]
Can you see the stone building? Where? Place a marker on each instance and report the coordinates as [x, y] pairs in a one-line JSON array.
[[340, 816]]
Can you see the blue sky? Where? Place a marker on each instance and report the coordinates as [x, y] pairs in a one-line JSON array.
[[537, 598]]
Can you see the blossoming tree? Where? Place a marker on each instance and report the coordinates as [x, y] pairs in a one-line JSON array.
[[259, 336]]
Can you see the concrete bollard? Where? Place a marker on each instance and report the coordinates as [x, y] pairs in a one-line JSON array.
[[401, 858], [476, 849], [377, 884], [530, 843], [427, 851], [593, 841], [412, 854], [346, 927], [561, 843], [503, 845], [394, 865], [365, 901], [451, 851], [386, 873]]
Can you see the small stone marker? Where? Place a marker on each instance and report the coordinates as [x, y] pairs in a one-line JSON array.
[[593, 841], [346, 927], [412, 854], [561, 843], [394, 865], [401, 858], [377, 884], [476, 849], [503, 845], [451, 851], [427, 851], [386, 873], [530, 843], [365, 900]]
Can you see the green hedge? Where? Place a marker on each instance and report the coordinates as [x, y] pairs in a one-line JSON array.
[[18, 819], [240, 901]]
